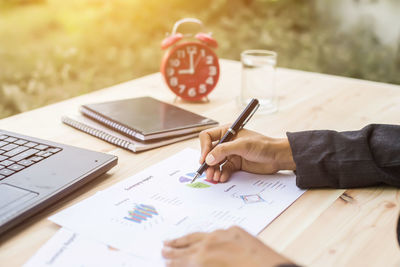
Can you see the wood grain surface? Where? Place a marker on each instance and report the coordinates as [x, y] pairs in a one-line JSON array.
[[323, 228]]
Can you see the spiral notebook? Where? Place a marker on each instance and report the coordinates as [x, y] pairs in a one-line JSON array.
[[146, 119], [98, 130]]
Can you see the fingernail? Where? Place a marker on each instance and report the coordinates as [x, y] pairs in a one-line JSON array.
[[166, 249], [210, 159]]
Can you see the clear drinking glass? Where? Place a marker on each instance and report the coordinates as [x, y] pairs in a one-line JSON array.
[[258, 79]]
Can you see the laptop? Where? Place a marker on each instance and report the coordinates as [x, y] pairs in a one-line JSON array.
[[35, 173]]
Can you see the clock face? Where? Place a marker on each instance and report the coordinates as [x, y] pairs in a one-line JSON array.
[[191, 70]]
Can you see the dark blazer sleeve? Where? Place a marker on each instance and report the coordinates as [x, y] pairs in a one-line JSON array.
[[368, 157]]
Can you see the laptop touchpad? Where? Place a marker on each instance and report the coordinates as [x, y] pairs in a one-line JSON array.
[[11, 197]]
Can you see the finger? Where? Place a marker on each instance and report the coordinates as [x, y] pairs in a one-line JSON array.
[[173, 253], [221, 151], [210, 173], [182, 262], [207, 137], [217, 174], [229, 167], [184, 241]]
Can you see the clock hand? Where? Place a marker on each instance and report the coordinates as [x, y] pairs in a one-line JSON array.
[[191, 63], [197, 62], [187, 71], [191, 68]]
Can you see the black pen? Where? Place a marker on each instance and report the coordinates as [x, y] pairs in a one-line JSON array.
[[232, 131]]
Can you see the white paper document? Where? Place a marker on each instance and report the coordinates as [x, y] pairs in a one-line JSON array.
[[67, 249], [160, 203]]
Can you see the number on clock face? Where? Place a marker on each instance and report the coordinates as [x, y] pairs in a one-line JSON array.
[[191, 70]]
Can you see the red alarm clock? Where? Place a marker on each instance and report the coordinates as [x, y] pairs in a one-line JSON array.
[[190, 68]]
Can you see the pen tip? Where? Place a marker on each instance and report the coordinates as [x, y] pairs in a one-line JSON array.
[[195, 177]]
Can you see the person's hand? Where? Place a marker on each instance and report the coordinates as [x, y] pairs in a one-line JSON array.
[[231, 247], [248, 151]]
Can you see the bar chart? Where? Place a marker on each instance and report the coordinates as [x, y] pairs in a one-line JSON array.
[[140, 213]]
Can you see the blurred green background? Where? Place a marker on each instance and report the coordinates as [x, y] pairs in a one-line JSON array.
[[52, 49]]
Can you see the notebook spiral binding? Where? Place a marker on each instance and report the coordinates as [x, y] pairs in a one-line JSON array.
[[97, 133], [111, 124]]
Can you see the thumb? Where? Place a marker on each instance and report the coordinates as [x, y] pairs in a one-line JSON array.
[[221, 151]]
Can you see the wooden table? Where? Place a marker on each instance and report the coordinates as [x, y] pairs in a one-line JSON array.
[[323, 228]]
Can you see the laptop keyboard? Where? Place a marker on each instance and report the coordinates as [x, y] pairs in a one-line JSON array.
[[17, 154]]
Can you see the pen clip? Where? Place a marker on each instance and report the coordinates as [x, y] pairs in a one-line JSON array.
[[249, 117]]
